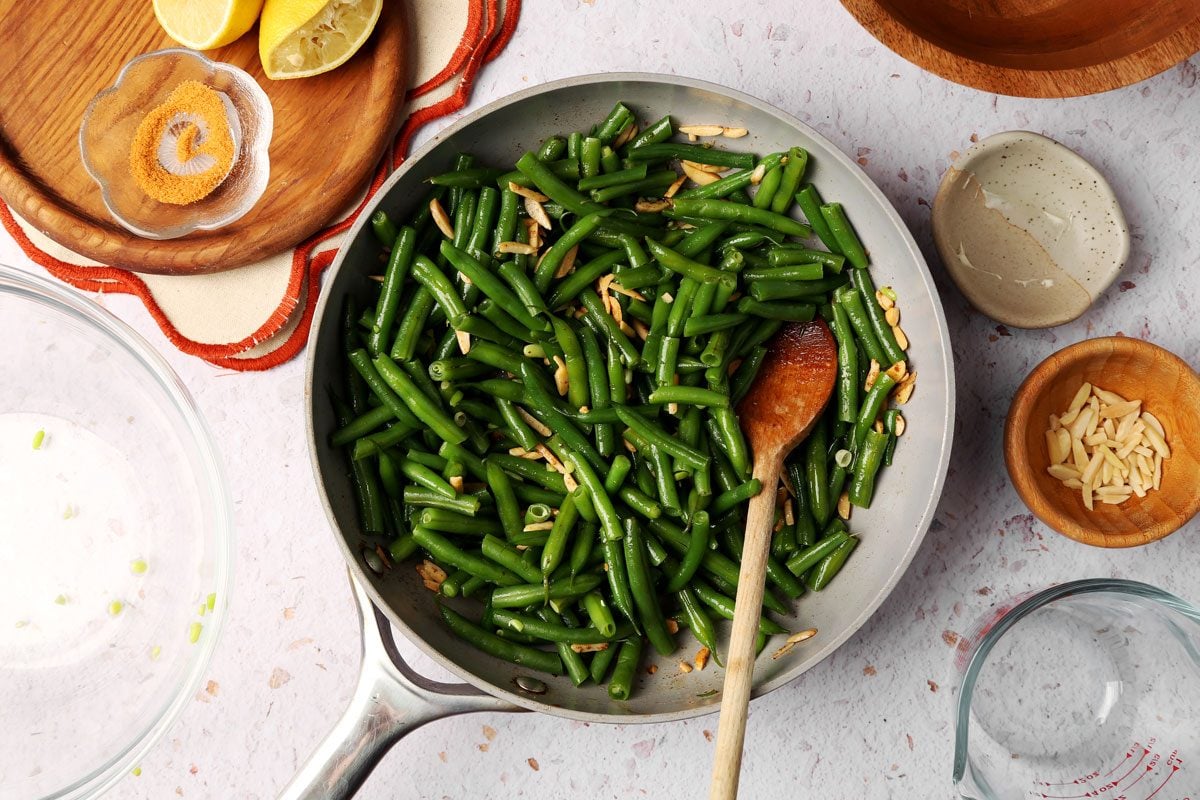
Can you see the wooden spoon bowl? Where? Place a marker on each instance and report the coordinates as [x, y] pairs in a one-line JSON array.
[[1036, 48], [1137, 370]]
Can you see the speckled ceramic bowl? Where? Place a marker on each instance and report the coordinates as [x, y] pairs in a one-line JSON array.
[[1030, 231]]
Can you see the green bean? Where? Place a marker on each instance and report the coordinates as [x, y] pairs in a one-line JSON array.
[[577, 372], [723, 606], [507, 557], [872, 406], [734, 182], [446, 552], [866, 467], [681, 264], [505, 498], [661, 439], [793, 172], [641, 584], [445, 521], [599, 613], [437, 284], [493, 645], [739, 494], [824, 572], [610, 523], [737, 212], [361, 425], [411, 324], [767, 188], [485, 211], [596, 312], [464, 218], [731, 436], [861, 280], [787, 255], [570, 286], [506, 223], [617, 120], [743, 378], [696, 548], [452, 585], [525, 595], [471, 178], [653, 133], [635, 173], [851, 302], [600, 393], [618, 578], [582, 548], [891, 423], [810, 205], [421, 406], [698, 154], [385, 230], [620, 687], [793, 272], [609, 160], [795, 312], [652, 185], [553, 187], [816, 473], [404, 244], [700, 325], [556, 544], [381, 388], [664, 478], [577, 671], [803, 560], [843, 234], [689, 395], [417, 497], [847, 385], [601, 661]]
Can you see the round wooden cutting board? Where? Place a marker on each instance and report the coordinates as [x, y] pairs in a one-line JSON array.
[[330, 131]]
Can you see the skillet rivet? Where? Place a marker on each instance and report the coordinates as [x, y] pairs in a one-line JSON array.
[[373, 561], [531, 685]]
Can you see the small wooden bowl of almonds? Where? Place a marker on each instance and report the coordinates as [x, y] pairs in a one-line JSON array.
[[1102, 442]]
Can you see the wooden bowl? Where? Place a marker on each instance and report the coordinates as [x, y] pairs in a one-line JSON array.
[[1036, 48], [1134, 369]]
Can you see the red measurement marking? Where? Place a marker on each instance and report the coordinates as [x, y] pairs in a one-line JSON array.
[[1149, 768], [1145, 752], [1171, 774], [1128, 756]]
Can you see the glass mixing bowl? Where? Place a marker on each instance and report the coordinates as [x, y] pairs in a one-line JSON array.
[[115, 544]]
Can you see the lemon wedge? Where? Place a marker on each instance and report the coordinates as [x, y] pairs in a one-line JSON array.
[[299, 38], [206, 24]]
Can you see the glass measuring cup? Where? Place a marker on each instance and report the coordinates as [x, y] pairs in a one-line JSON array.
[[1090, 689]]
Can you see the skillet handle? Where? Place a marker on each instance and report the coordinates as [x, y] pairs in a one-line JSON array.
[[389, 702]]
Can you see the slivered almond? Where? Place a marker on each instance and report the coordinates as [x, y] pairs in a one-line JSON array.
[[619, 289], [518, 248], [702, 130], [904, 390], [872, 374], [892, 315], [431, 573], [534, 234], [713, 168], [701, 659], [642, 330], [527, 193], [533, 422], [757, 175], [560, 376], [441, 218], [464, 341], [1120, 409], [843, 505], [568, 263], [623, 138], [570, 483], [901, 425], [625, 329], [734, 133], [672, 625], [376, 278], [538, 526], [674, 187], [693, 137], [802, 636], [651, 206], [457, 482], [685, 667], [698, 176], [897, 371], [551, 459], [537, 212], [594, 647], [901, 338], [884, 301]]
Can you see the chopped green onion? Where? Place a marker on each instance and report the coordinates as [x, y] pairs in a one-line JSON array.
[[211, 602], [115, 608], [136, 771], [61, 600], [70, 511], [194, 632], [155, 652], [138, 566], [38, 439], [203, 608]]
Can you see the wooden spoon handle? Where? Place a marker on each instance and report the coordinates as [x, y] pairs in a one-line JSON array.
[[739, 669]]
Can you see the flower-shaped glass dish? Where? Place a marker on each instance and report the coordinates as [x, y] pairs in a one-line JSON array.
[[115, 531], [111, 121]]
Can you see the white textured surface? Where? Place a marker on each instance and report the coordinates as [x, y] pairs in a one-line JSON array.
[[874, 720]]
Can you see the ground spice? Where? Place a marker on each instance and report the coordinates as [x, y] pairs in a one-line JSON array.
[[183, 149]]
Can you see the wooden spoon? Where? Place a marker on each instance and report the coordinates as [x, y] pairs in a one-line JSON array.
[[793, 386]]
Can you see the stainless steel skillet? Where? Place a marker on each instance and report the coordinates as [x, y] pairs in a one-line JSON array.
[[391, 700]]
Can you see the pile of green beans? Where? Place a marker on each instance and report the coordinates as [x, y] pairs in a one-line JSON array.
[[554, 426]]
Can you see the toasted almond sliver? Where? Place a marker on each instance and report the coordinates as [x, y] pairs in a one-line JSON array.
[[1064, 441], [734, 133], [892, 315], [897, 371], [884, 301], [757, 175], [783, 651], [702, 130], [641, 329], [674, 187], [701, 658], [843, 505], [698, 176], [1054, 422], [441, 218], [560, 376], [901, 338], [594, 647], [376, 278], [802, 636], [1106, 475], [539, 526], [534, 234], [619, 289], [568, 263], [630, 131], [537, 212], [520, 248], [533, 422], [1110, 429], [526, 192], [651, 206], [789, 515], [904, 390], [872, 374], [464, 341], [1079, 425], [685, 667], [902, 425]]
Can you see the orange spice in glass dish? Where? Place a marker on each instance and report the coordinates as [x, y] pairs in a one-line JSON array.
[[184, 149]]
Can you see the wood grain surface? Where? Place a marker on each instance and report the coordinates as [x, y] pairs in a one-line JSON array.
[[1036, 48], [1136, 370], [330, 131]]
